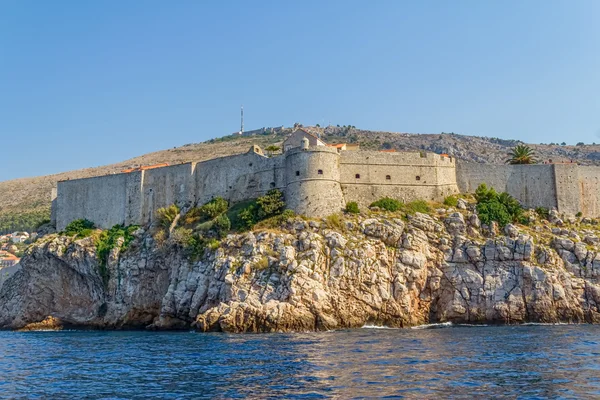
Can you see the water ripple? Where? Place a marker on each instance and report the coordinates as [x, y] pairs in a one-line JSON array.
[[559, 361]]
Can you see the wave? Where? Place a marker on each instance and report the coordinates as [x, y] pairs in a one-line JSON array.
[[377, 327]]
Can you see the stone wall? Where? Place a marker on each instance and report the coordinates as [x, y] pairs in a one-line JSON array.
[[101, 200], [319, 182], [367, 176], [532, 185], [589, 189]]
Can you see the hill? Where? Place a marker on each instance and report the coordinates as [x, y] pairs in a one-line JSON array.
[[25, 202]]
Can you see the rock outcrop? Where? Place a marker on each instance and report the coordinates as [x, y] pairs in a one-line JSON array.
[[315, 275]]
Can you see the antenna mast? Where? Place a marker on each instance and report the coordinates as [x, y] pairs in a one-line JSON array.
[[242, 126]]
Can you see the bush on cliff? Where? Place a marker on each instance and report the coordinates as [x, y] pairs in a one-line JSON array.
[[107, 241], [352, 208], [451, 201], [214, 208], [80, 228], [222, 225], [387, 204], [166, 215], [270, 205], [417, 206], [502, 208]]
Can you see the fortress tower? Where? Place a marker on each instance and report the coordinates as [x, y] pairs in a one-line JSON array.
[[312, 177]]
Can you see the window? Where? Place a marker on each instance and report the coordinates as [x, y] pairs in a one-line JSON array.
[[357, 176], [388, 178], [418, 178], [320, 172], [272, 184], [250, 164], [297, 173]]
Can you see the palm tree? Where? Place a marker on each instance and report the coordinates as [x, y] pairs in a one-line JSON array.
[[521, 154]]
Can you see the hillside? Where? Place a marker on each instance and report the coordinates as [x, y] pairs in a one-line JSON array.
[[25, 202]]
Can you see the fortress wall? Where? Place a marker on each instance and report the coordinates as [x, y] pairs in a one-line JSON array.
[[312, 181], [412, 176], [238, 178], [133, 195], [589, 188], [532, 185], [101, 200], [567, 188], [165, 186]]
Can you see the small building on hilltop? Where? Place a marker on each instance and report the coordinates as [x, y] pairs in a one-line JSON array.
[[295, 140]]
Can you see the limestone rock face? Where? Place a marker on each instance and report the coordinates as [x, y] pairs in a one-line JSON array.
[[307, 276]]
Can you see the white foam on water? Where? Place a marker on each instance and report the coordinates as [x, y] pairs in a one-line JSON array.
[[433, 326], [377, 327]]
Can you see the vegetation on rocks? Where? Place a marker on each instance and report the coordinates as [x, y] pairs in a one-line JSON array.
[[80, 228], [499, 207], [387, 204], [166, 215], [352, 207], [117, 236]]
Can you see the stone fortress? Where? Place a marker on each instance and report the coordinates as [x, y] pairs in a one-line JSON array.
[[318, 180]]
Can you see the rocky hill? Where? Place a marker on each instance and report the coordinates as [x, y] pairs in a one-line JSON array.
[[373, 268], [32, 195]]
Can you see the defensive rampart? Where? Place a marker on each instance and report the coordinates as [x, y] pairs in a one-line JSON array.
[[570, 188], [318, 181]]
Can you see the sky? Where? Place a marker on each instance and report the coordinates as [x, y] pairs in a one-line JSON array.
[[85, 83]]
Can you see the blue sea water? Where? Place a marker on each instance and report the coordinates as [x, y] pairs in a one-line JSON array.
[[529, 362]]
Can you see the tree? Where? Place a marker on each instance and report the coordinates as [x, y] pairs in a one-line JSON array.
[[521, 154], [272, 149]]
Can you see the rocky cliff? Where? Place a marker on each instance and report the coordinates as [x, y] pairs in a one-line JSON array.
[[318, 275]]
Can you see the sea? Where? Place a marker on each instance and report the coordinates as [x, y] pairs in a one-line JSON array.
[[430, 362]]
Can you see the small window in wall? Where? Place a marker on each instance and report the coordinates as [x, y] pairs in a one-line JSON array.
[[250, 164], [357, 176], [272, 184], [388, 178], [297, 173], [418, 178], [320, 172]]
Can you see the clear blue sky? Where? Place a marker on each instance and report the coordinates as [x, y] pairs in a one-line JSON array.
[[87, 83]]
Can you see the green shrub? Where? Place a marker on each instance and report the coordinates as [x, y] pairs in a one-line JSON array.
[[222, 225], [579, 214], [502, 208], [214, 208], [181, 236], [276, 221], [192, 217], [107, 240], [334, 221], [80, 228], [352, 207], [543, 212], [245, 215], [270, 204], [166, 215], [388, 204], [451, 201], [417, 206], [493, 211], [197, 244]]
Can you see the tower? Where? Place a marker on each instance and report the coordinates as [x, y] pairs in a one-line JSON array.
[[242, 126]]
